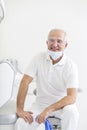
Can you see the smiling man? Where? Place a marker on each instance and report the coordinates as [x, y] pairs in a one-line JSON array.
[[57, 83], [56, 44]]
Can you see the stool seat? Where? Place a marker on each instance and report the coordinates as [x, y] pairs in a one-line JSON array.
[[56, 122]]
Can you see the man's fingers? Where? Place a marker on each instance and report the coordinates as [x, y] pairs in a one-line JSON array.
[[27, 116], [30, 112], [40, 120]]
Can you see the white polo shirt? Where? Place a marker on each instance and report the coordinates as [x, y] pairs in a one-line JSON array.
[[52, 80]]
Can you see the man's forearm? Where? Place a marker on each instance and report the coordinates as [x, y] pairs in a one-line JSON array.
[[21, 95], [67, 100], [23, 91], [70, 98]]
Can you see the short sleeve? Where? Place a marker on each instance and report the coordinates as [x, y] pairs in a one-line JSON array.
[[31, 69], [71, 76]]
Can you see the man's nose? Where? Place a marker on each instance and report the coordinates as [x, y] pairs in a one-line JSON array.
[[55, 43]]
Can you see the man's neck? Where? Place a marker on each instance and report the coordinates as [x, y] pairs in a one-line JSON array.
[[56, 61]]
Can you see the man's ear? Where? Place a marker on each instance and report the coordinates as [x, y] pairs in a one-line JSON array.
[[66, 45], [47, 42]]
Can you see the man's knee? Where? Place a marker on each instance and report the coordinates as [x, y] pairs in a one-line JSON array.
[[71, 111], [19, 123]]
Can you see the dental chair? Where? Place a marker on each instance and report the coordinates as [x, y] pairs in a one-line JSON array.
[[7, 104]]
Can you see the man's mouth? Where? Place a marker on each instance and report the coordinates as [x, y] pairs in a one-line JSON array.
[[54, 49]]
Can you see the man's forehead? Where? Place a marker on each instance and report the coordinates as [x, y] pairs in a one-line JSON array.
[[57, 34], [56, 38]]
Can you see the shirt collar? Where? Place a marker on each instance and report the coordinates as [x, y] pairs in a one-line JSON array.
[[61, 62]]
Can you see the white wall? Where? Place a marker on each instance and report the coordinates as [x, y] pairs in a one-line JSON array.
[[24, 31]]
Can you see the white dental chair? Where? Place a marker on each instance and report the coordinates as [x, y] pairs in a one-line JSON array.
[[7, 104]]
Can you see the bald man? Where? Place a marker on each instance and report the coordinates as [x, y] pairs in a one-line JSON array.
[[56, 85]]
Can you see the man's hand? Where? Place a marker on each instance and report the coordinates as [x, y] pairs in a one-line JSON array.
[[41, 118], [26, 115]]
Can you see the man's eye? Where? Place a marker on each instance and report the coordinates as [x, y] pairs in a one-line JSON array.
[[51, 40], [59, 41]]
